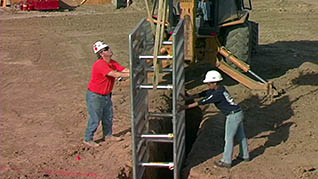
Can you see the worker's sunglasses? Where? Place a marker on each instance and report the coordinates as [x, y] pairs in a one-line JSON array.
[[105, 49]]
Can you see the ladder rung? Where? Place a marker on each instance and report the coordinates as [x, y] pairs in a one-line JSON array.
[[165, 57], [170, 135], [167, 42], [151, 114], [148, 86], [166, 138], [157, 164], [163, 69]]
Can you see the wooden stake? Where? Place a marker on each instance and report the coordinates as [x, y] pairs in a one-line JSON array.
[[4, 3]]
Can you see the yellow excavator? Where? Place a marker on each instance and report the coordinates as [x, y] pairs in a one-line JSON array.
[[217, 31]]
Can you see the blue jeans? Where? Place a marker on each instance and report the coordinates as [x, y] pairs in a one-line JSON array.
[[234, 126], [100, 108], [206, 9]]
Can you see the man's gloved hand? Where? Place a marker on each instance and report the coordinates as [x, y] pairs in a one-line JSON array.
[[182, 107], [186, 97], [122, 78]]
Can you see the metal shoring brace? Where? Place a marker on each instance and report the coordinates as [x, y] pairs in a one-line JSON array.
[[4, 3]]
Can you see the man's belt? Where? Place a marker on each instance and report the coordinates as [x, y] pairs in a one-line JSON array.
[[100, 94], [235, 111]]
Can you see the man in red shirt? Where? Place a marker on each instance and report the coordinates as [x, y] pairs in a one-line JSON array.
[[98, 97]]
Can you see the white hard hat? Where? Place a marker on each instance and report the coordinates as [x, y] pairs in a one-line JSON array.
[[99, 46], [212, 76]]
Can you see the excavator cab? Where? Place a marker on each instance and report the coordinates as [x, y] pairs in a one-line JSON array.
[[224, 20], [213, 14]]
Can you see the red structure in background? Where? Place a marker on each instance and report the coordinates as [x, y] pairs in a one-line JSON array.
[[40, 5], [46, 4]]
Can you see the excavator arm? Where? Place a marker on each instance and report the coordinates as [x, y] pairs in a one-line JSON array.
[[240, 77], [243, 79]]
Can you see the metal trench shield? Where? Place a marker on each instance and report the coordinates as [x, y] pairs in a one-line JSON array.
[[141, 42], [178, 90]]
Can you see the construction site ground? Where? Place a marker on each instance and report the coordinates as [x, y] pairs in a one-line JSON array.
[[46, 60]]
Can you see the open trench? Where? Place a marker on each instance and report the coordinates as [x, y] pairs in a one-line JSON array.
[[163, 152]]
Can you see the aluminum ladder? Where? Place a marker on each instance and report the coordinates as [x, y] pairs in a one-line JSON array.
[[141, 43]]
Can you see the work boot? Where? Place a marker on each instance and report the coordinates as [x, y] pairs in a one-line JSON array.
[[113, 138], [222, 164], [91, 143], [243, 159]]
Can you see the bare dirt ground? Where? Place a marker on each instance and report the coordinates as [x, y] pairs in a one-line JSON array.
[[46, 59]]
